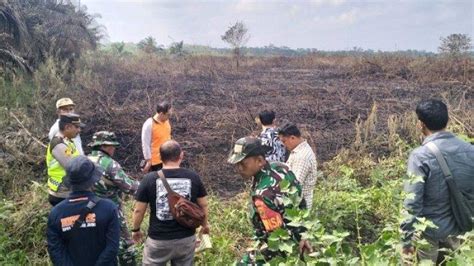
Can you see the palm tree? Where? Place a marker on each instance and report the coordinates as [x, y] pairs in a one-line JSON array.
[[33, 30]]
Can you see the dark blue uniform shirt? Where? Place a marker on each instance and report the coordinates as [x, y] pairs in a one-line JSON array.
[[97, 240]]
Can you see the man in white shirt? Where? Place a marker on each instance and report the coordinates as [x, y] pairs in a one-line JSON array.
[[65, 106], [302, 160]]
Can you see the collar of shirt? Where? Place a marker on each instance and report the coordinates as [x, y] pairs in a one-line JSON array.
[[265, 129], [438, 135], [78, 194], [99, 153], [261, 174], [300, 147]]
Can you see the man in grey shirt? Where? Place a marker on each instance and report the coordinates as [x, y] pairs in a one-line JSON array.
[[430, 197], [65, 106]]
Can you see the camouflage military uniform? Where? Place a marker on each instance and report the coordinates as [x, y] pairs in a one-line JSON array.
[[114, 182], [267, 211]]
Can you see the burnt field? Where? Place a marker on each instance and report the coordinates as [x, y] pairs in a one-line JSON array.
[[215, 104]]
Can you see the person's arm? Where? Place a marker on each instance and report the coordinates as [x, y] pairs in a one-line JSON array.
[[108, 256], [202, 202], [301, 168], [53, 130], [78, 143], [56, 248], [60, 154], [414, 201], [139, 211], [146, 143], [121, 179]]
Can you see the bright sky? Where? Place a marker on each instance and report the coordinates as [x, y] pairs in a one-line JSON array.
[[323, 24]]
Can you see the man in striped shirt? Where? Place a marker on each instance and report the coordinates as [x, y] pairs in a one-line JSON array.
[[302, 160], [269, 137]]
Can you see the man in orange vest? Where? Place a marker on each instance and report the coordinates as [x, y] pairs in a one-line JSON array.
[[155, 131]]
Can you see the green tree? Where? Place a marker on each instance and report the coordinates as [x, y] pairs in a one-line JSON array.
[[32, 31], [149, 45], [455, 44], [237, 36], [177, 48]]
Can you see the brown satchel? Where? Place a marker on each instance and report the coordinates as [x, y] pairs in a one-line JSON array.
[[185, 212]]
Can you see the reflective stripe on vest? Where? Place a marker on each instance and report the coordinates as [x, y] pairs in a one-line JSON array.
[[56, 172]]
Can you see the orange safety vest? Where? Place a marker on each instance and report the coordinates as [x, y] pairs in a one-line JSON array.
[[160, 133]]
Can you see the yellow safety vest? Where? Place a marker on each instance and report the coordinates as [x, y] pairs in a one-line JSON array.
[[56, 172]]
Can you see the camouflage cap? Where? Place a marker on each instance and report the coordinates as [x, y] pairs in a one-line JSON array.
[[64, 102], [245, 147], [104, 138]]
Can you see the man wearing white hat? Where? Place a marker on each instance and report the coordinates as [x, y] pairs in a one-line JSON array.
[[65, 106]]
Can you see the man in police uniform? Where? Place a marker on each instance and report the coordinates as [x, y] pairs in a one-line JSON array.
[[61, 149], [267, 208], [112, 184]]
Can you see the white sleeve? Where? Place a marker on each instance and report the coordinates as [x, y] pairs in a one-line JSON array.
[[146, 139], [78, 142], [53, 130]]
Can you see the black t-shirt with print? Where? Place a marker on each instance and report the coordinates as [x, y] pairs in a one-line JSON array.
[[151, 190]]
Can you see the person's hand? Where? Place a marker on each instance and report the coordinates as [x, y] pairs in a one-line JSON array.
[[147, 166], [137, 237], [205, 229], [305, 246]]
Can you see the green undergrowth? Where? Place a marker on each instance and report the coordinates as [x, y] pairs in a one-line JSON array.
[[355, 220], [352, 223]]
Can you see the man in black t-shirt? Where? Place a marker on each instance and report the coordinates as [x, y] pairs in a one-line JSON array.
[[167, 239]]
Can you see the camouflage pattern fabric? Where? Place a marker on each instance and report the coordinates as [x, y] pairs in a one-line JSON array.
[[127, 253], [267, 210], [104, 138], [111, 186], [115, 181]]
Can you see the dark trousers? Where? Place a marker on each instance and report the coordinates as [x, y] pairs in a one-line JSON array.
[[156, 167], [54, 200]]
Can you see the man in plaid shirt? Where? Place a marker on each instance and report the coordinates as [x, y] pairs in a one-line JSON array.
[[302, 160]]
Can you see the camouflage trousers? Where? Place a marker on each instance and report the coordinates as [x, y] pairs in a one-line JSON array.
[[127, 253]]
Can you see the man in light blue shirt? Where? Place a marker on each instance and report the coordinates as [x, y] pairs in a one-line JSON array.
[[430, 197]]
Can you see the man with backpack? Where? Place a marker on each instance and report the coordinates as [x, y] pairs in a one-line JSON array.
[[440, 171], [168, 239], [83, 229]]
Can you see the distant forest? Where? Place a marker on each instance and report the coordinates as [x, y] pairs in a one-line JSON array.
[[269, 50]]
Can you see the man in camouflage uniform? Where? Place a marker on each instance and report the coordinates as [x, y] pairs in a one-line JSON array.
[[112, 185], [267, 206]]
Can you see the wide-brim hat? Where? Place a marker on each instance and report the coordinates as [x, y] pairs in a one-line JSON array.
[[104, 138], [82, 173]]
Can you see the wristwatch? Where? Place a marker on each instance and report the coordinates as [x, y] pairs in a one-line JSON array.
[[135, 230]]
